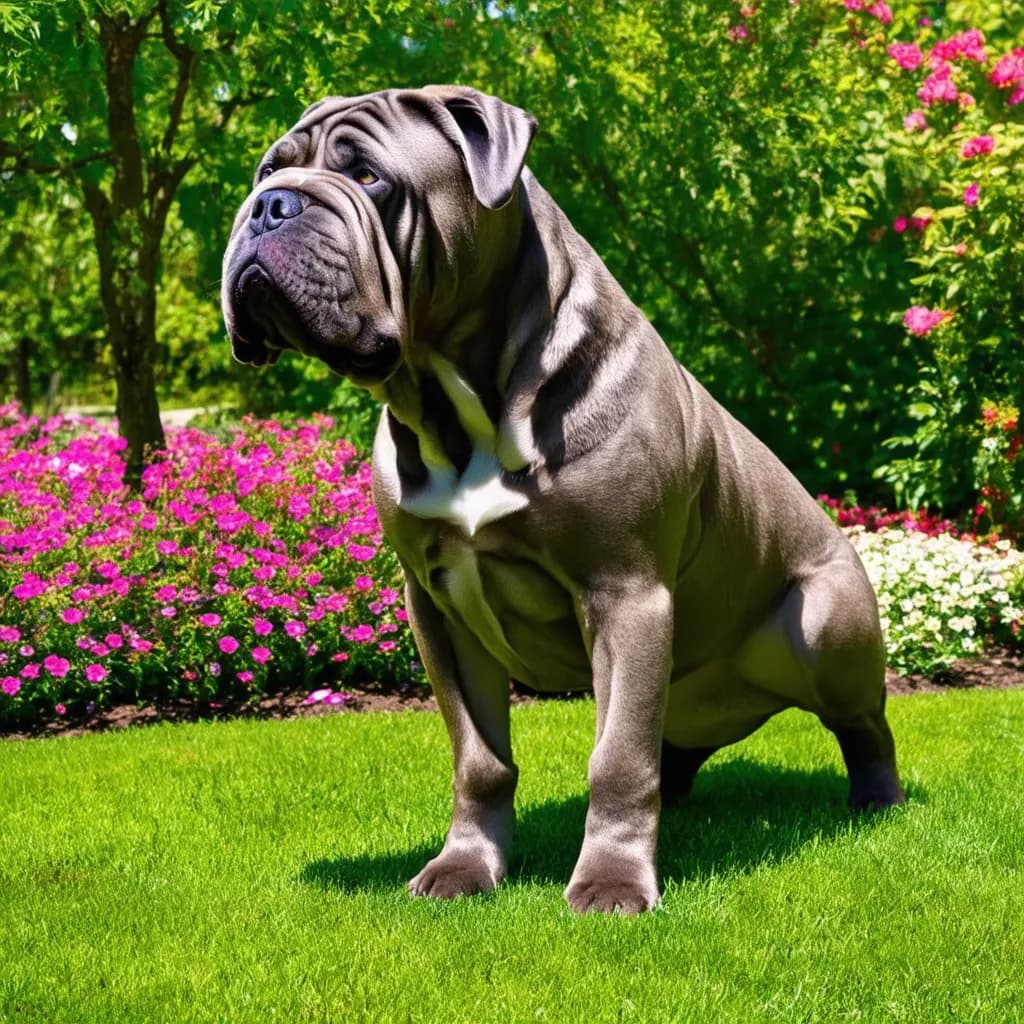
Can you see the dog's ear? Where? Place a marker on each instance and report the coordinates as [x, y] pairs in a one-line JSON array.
[[493, 137]]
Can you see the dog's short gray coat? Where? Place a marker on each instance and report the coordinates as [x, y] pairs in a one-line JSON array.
[[572, 509]]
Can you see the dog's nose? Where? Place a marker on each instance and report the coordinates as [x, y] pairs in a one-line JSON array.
[[272, 208]]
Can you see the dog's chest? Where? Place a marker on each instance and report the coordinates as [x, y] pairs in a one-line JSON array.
[[508, 599]]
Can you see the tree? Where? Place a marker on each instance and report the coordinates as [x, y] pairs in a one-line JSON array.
[[122, 102]]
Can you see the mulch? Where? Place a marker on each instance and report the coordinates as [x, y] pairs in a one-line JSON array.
[[1001, 669]]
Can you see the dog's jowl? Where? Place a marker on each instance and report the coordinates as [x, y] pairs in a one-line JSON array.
[[571, 508]]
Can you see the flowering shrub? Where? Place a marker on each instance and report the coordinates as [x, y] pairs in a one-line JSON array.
[[940, 597], [244, 565], [952, 99]]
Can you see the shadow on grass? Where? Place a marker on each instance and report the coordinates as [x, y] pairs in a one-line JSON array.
[[741, 814]]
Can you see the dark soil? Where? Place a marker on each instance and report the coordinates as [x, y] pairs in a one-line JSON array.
[[1000, 670]]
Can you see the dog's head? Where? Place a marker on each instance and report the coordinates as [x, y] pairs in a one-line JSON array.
[[369, 219]]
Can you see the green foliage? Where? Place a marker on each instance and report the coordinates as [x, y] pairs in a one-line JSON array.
[[739, 168]]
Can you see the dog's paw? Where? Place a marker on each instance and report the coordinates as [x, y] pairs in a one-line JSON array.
[[615, 886], [450, 875]]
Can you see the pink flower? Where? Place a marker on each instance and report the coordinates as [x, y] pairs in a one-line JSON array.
[[920, 319], [114, 641], [29, 671], [361, 634], [168, 611], [938, 87], [60, 709], [10, 685], [262, 627], [980, 145], [738, 33], [317, 696], [854, 5], [900, 224], [361, 552], [971, 194], [1008, 70], [208, 619], [10, 634], [95, 673], [294, 628], [72, 616], [245, 676], [882, 12], [337, 698], [969, 44], [261, 655], [907, 55], [228, 644], [387, 646], [363, 583], [57, 666]]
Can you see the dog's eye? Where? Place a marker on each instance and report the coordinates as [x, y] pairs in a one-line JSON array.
[[265, 172], [365, 176]]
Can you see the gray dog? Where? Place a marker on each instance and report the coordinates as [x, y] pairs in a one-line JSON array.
[[571, 508]]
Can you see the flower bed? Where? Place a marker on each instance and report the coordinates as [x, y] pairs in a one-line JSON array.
[[245, 565], [942, 593]]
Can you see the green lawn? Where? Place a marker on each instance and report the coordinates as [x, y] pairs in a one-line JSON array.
[[255, 871]]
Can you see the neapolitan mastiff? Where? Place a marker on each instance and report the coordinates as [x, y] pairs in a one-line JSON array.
[[572, 509]]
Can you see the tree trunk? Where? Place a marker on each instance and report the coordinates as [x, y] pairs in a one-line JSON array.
[[128, 244], [23, 375]]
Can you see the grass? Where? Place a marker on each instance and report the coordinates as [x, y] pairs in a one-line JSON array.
[[254, 871]]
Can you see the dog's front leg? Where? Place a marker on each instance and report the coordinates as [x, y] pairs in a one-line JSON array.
[[630, 631], [472, 690]]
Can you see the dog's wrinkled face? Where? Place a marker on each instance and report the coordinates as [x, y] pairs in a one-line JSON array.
[[363, 214]]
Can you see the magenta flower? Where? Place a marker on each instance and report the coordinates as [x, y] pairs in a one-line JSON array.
[[361, 634], [60, 709], [72, 616], [10, 634], [387, 646], [57, 666], [970, 45], [261, 655], [262, 627], [980, 145], [920, 319], [228, 644], [208, 619], [95, 673], [971, 194], [882, 12], [363, 583], [294, 628], [245, 676], [907, 55], [361, 552], [938, 87], [10, 685], [337, 698], [29, 671], [900, 224], [317, 696], [168, 611]]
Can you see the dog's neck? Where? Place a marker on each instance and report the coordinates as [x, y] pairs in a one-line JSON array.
[[462, 408]]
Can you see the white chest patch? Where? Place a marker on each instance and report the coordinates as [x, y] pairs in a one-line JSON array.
[[478, 495]]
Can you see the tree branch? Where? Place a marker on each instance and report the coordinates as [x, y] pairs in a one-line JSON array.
[[186, 58]]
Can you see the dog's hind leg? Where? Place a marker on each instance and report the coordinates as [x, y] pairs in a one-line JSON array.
[[869, 752], [679, 767], [823, 649]]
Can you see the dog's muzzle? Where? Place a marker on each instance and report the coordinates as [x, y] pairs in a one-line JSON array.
[[279, 272]]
